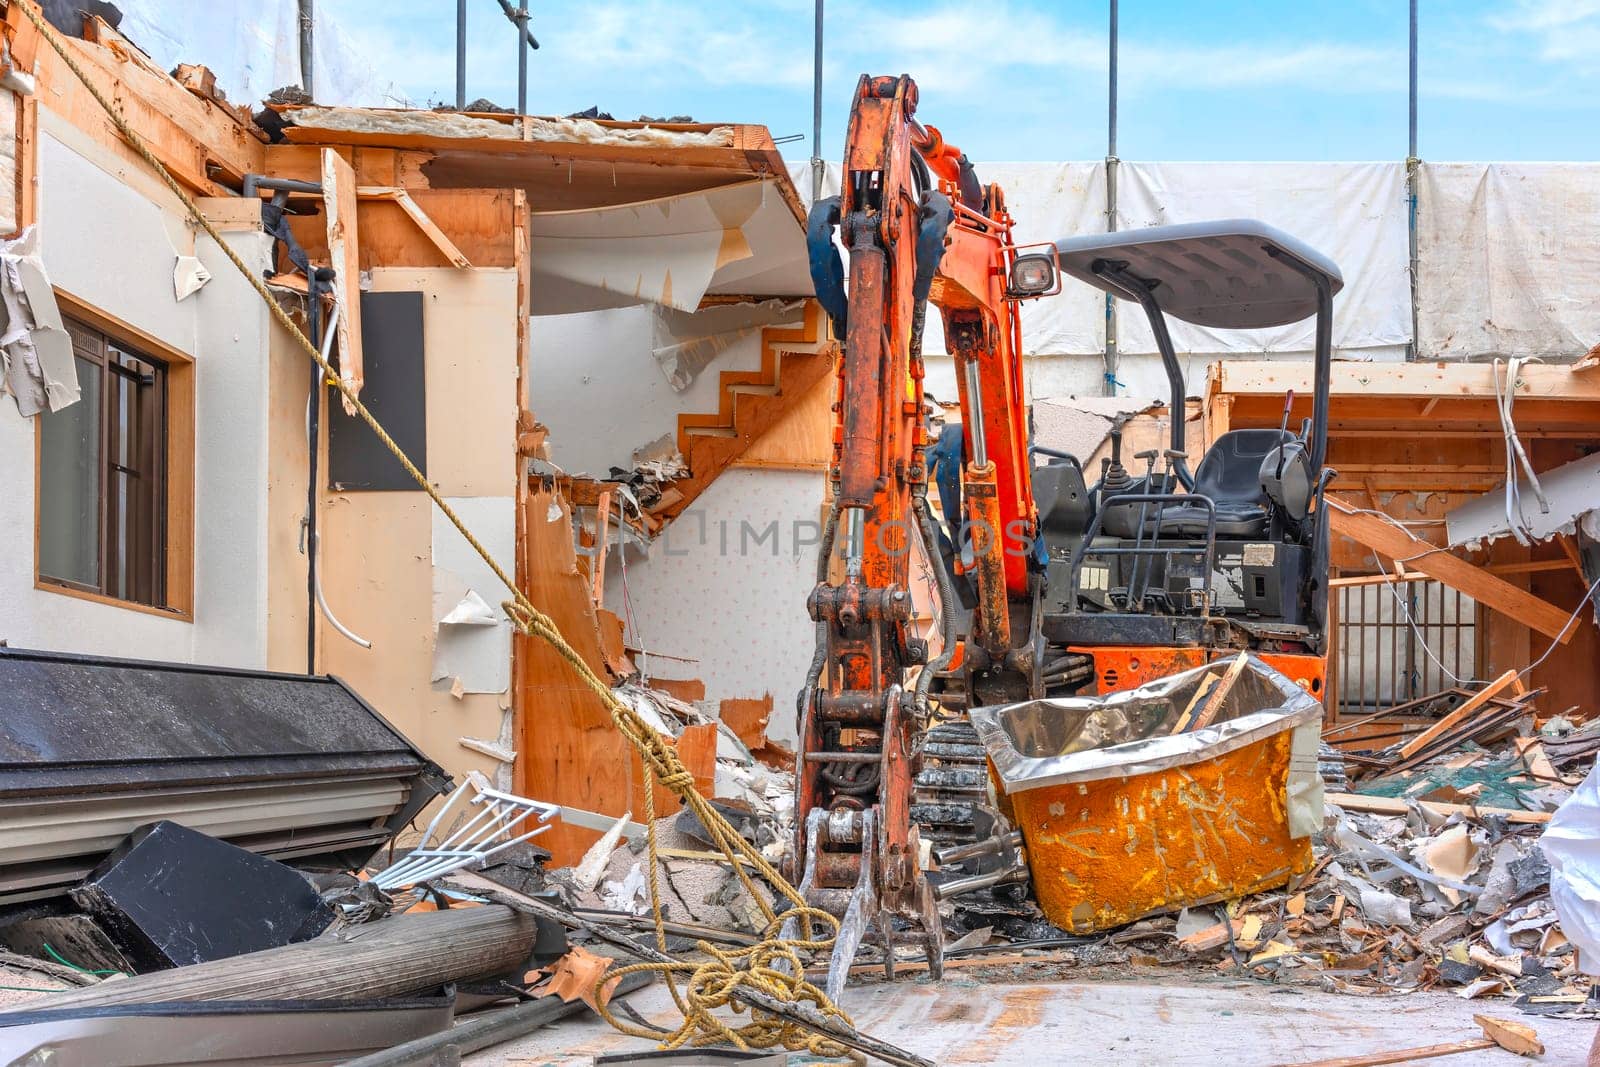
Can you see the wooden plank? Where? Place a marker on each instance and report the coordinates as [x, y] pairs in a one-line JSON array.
[[430, 229], [697, 748], [1199, 694], [1391, 540], [1446, 381], [1219, 692], [1468, 707], [1404, 1055], [344, 251], [1398, 806]]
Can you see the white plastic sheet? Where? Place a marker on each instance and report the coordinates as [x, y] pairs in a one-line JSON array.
[[1353, 213], [1508, 262], [1571, 842], [253, 47]]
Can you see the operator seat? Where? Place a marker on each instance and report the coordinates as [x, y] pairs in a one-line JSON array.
[[1230, 474]]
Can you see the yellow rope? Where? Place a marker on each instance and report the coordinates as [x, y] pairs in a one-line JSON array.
[[774, 965]]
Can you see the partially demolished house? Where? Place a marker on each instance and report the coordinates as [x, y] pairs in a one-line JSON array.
[[484, 258], [597, 342]]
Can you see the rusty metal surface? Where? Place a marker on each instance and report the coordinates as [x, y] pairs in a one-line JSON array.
[[1123, 818], [1107, 852]]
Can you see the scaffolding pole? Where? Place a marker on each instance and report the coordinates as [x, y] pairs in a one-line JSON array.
[[816, 110], [1413, 174], [1110, 358]]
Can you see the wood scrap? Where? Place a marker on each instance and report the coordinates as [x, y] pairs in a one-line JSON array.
[[1459, 715], [1199, 694], [1397, 806], [1219, 693], [1212, 937], [1497, 1033], [1512, 1036], [574, 977]]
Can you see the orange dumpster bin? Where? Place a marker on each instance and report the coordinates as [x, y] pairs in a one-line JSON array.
[[1122, 817]]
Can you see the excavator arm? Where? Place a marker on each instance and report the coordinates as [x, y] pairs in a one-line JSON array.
[[917, 227]]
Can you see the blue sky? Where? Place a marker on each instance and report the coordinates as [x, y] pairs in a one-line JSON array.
[[1013, 80]]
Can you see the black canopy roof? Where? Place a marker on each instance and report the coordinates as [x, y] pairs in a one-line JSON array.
[[1228, 273]]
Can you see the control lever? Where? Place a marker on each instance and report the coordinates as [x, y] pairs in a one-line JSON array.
[[1174, 456], [1288, 402]]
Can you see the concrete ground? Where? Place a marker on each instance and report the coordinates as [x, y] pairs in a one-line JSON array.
[[1158, 1023]]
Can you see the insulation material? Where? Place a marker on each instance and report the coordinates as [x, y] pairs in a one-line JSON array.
[[1354, 213], [36, 362], [1572, 491], [1507, 259], [472, 643], [686, 342], [407, 123], [10, 131], [661, 251]]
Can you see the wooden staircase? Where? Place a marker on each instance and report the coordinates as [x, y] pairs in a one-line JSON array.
[[793, 360]]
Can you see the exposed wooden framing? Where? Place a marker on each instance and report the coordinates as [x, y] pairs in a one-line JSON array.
[[344, 244], [1570, 550], [206, 146], [1391, 540], [424, 223]]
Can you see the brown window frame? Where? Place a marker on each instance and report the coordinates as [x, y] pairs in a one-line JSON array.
[[166, 560]]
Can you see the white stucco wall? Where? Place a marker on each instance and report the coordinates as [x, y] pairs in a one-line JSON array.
[[726, 586], [111, 239]]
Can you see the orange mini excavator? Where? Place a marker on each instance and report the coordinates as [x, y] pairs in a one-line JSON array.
[[1047, 585]]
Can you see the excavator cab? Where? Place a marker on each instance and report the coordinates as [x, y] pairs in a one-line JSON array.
[[1235, 552]]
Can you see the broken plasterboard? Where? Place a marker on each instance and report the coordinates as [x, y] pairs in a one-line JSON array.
[[685, 343], [188, 275], [472, 638], [662, 251], [1573, 492], [36, 361]]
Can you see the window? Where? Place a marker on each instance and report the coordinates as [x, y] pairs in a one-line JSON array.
[[103, 476]]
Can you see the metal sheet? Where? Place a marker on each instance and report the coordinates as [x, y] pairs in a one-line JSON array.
[[232, 1032], [1038, 743], [284, 765]]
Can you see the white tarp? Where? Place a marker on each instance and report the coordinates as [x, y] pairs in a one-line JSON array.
[[1508, 261], [253, 47], [1353, 213]]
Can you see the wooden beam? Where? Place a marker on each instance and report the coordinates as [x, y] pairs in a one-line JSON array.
[[1394, 541], [428, 227], [1446, 381], [344, 249], [1219, 692], [1402, 1055], [1450, 721], [1398, 806]]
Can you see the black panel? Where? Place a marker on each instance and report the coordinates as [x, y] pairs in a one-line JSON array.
[[395, 392], [70, 721]]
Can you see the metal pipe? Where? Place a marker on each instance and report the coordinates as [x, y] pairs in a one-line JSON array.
[[1412, 167], [522, 58], [980, 448], [307, 43], [1135, 289], [816, 110], [313, 435], [493, 1028], [461, 55], [254, 183], [511, 13], [1109, 384]]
